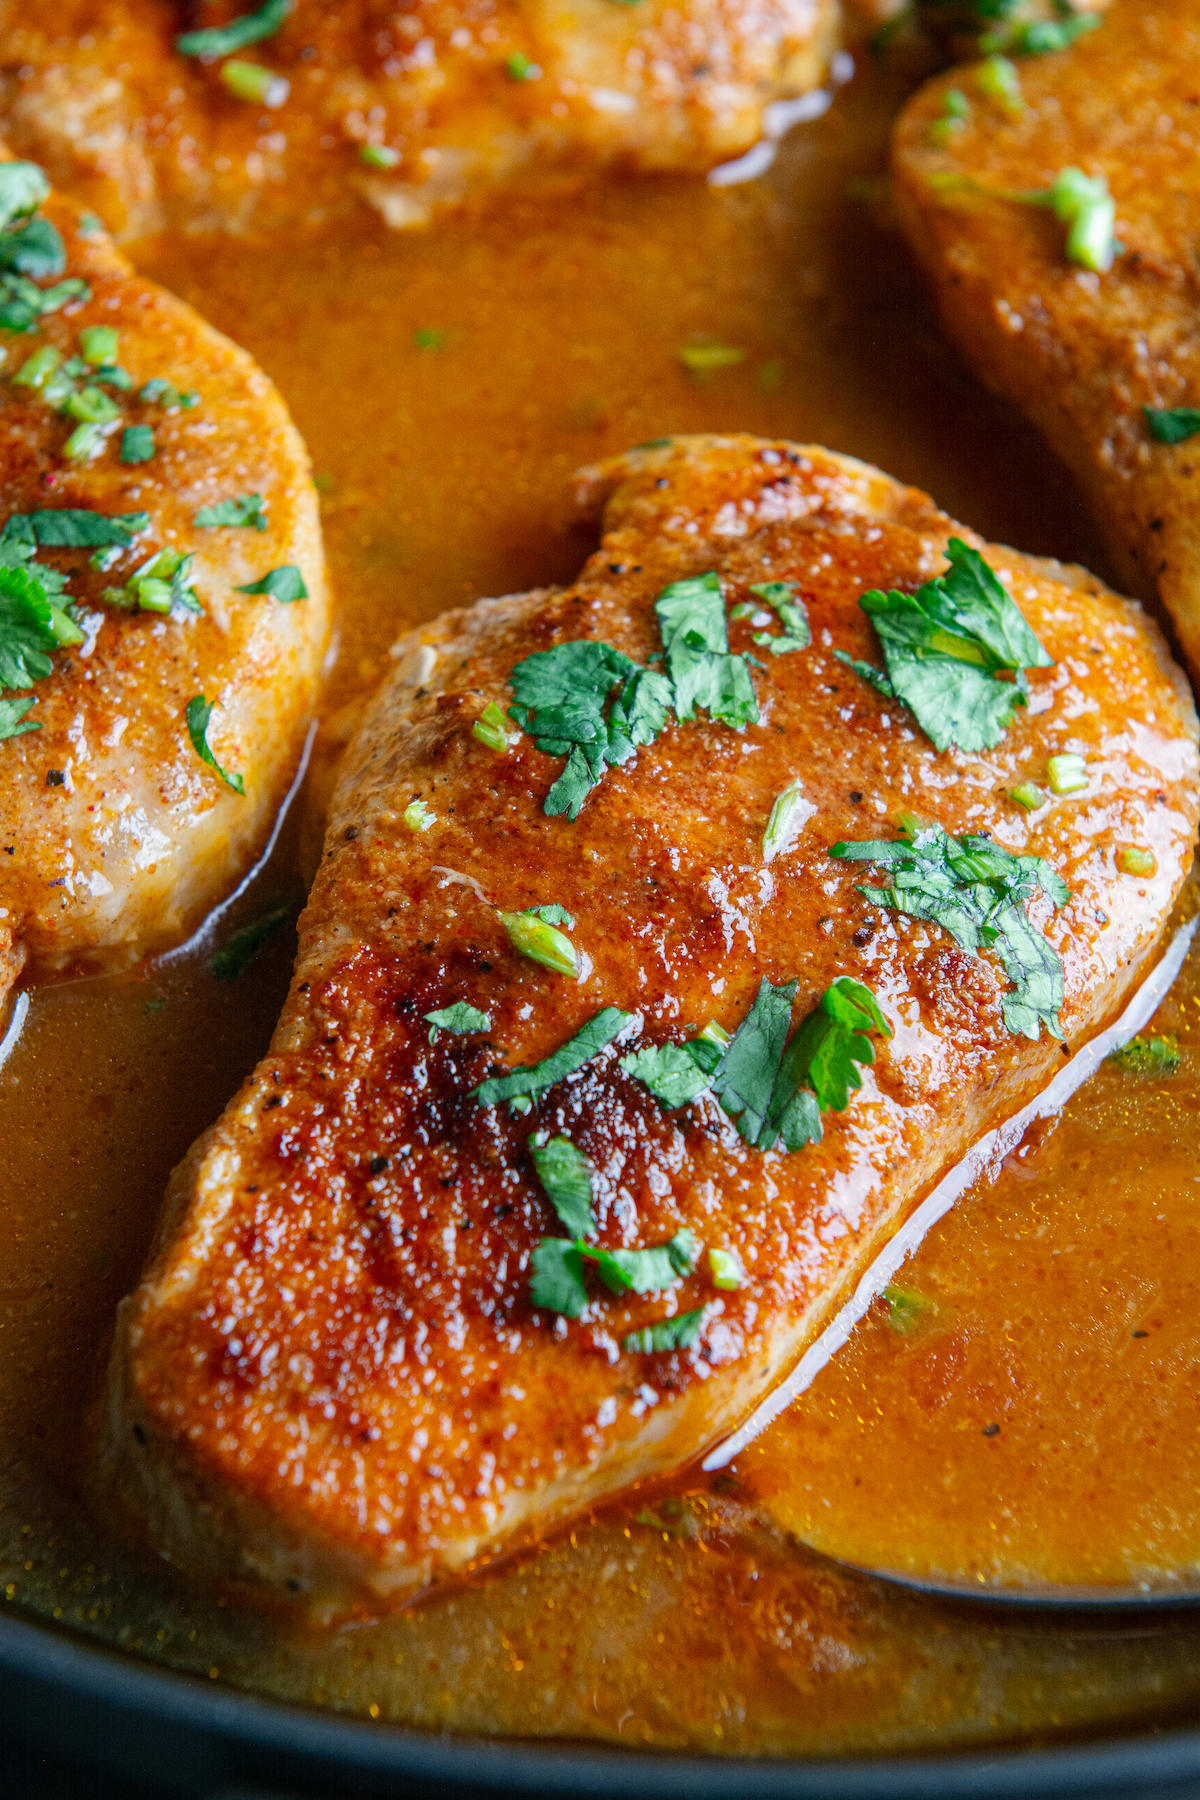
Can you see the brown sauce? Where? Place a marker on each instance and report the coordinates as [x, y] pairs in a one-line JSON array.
[[444, 471]]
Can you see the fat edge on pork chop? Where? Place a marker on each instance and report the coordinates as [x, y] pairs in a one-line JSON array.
[[505, 1221]]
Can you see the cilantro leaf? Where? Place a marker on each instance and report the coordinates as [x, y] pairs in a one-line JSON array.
[[243, 509], [560, 697], [35, 250], [593, 1037], [793, 616], [247, 28], [245, 944], [12, 718], [458, 1019], [646, 1271], [557, 1282], [552, 915], [199, 711], [137, 444], [976, 891], [284, 584], [670, 1071], [566, 1175], [73, 528], [26, 629], [678, 1333], [23, 188], [1172, 424], [745, 1077], [943, 646], [691, 617], [1146, 1056]]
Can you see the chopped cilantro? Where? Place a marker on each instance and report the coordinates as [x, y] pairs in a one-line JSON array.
[[158, 392], [198, 713], [88, 225], [12, 718], [560, 697], [706, 359], [31, 627], [23, 188], [1040, 37], [245, 509], [244, 945], [599, 1031], [566, 1175], [726, 1270], [793, 615], [160, 585], [670, 1071], [137, 444], [942, 646], [34, 250], [418, 817], [491, 729], [976, 891], [691, 617], [906, 1309], [284, 584], [552, 915], [557, 1282], [70, 528], [458, 1020], [678, 1333], [544, 943], [1148, 1056], [1172, 424], [247, 28]]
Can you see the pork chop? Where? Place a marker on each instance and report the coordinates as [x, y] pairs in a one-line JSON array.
[[411, 109], [353, 1365], [124, 618], [1082, 350]]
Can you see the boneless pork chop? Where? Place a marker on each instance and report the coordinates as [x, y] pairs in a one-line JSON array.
[[150, 477], [417, 1292], [413, 107], [1082, 349]]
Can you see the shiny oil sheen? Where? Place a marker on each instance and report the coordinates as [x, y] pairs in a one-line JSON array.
[[687, 1616]]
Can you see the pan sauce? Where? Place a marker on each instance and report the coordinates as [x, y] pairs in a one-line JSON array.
[[443, 466]]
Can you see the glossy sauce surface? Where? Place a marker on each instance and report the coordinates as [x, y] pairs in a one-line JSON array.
[[445, 470]]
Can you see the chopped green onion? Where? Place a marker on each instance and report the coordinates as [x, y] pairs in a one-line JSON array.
[[84, 442], [1040, 36], [520, 68], [1148, 1056], [706, 359], [37, 369], [543, 943], [669, 1334], [1084, 205], [714, 1034], [1029, 795], [1172, 424], [1067, 773], [250, 81], [418, 817], [956, 110], [998, 79], [726, 1269], [98, 343], [91, 407], [491, 728], [137, 444], [783, 822], [379, 156], [1133, 859]]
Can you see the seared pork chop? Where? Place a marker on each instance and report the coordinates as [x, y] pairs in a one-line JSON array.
[[353, 1363], [1082, 351], [125, 416], [411, 108]]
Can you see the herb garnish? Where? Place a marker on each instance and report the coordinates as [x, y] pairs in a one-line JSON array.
[[771, 1093], [976, 891], [72, 528], [907, 1309], [691, 618], [12, 718], [418, 817], [34, 249], [31, 628], [137, 444], [458, 1019], [243, 509], [1040, 37], [1172, 424], [198, 713], [780, 596], [678, 1333], [1084, 205], [943, 646], [560, 699], [593, 1037], [248, 28], [23, 188], [533, 935], [284, 584], [1148, 1056], [558, 1263], [244, 945], [160, 586]]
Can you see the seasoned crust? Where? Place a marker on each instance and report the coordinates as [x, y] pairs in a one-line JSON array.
[[332, 1380]]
